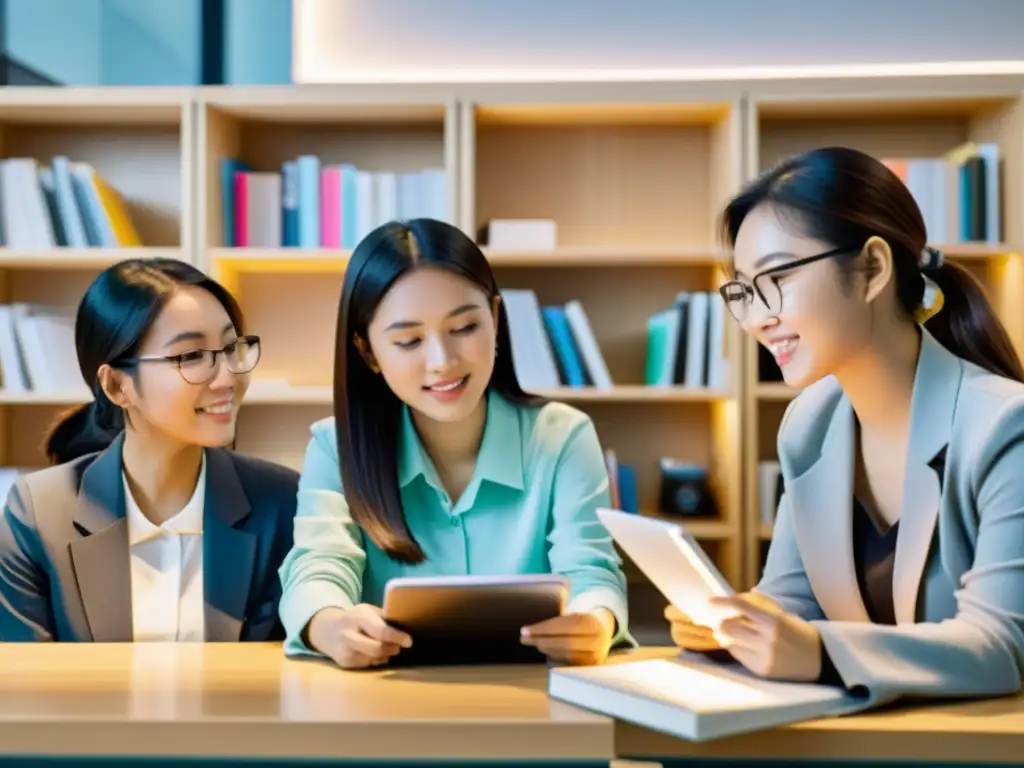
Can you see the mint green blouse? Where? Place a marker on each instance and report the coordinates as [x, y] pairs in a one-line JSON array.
[[529, 508]]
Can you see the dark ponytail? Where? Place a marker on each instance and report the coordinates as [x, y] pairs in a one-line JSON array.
[[967, 325], [844, 197], [114, 315]]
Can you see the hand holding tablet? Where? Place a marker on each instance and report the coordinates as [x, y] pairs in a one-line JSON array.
[[574, 638], [479, 619], [357, 637], [675, 563]]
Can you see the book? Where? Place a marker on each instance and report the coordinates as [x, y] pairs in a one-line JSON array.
[[695, 698]]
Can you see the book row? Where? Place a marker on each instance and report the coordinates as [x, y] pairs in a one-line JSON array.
[[63, 204], [310, 204], [959, 194]]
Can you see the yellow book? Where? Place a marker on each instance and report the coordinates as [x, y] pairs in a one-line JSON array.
[[117, 213]]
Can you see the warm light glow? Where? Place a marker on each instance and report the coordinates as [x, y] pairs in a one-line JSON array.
[[311, 66]]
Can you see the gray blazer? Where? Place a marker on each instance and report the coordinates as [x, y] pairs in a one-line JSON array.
[[958, 582], [64, 557]]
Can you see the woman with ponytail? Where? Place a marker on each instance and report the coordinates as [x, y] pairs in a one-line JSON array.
[[897, 560], [146, 527]]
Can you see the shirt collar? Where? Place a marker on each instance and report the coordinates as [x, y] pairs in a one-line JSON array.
[[188, 521], [500, 459]]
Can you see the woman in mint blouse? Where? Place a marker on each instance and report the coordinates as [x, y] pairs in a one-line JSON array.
[[447, 465]]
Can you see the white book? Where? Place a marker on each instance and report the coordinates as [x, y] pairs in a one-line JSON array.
[[13, 378], [767, 488], [385, 188], [263, 204], [693, 697], [718, 356], [587, 342], [366, 216], [697, 340], [522, 234], [532, 355]]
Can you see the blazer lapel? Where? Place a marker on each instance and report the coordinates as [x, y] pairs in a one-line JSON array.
[[101, 557], [821, 502], [229, 554], [933, 405]]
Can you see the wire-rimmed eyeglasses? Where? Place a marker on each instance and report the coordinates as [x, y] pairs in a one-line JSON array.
[[198, 366], [739, 295]]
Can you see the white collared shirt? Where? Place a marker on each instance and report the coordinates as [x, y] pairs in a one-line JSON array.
[[167, 570]]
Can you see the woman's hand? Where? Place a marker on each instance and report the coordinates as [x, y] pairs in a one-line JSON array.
[[767, 640], [576, 638], [690, 636], [357, 637]]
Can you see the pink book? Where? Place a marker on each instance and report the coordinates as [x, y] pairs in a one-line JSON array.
[[241, 205], [330, 207]]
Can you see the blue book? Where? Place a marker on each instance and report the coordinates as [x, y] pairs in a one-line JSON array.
[[627, 489], [570, 361], [290, 204], [309, 201], [349, 206]]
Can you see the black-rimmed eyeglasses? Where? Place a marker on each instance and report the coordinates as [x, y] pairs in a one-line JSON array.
[[198, 366], [739, 295]]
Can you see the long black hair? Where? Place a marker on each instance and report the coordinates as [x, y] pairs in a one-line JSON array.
[[368, 414], [114, 316], [844, 197]]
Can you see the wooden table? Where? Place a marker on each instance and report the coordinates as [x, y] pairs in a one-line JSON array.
[[973, 733], [246, 700]]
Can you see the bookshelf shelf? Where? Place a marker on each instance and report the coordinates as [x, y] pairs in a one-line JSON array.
[[320, 260], [608, 256], [79, 258], [70, 397], [322, 395], [775, 392]]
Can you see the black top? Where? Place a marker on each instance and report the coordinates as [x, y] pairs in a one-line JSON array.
[[874, 552]]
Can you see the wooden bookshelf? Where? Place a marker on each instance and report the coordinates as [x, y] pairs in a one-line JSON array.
[[632, 188], [634, 174], [290, 295], [886, 125], [140, 142]]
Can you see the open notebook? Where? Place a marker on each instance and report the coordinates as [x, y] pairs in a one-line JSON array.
[[694, 698]]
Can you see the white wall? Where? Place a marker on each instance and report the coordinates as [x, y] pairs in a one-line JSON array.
[[346, 39]]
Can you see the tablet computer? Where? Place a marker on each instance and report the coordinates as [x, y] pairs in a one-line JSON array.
[[674, 562], [471, 619]]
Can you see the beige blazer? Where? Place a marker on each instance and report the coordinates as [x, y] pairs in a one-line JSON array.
[[958, 582], [65, 562]]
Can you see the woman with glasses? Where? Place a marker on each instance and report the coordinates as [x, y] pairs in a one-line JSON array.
[[896, 567], [146, 528]]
